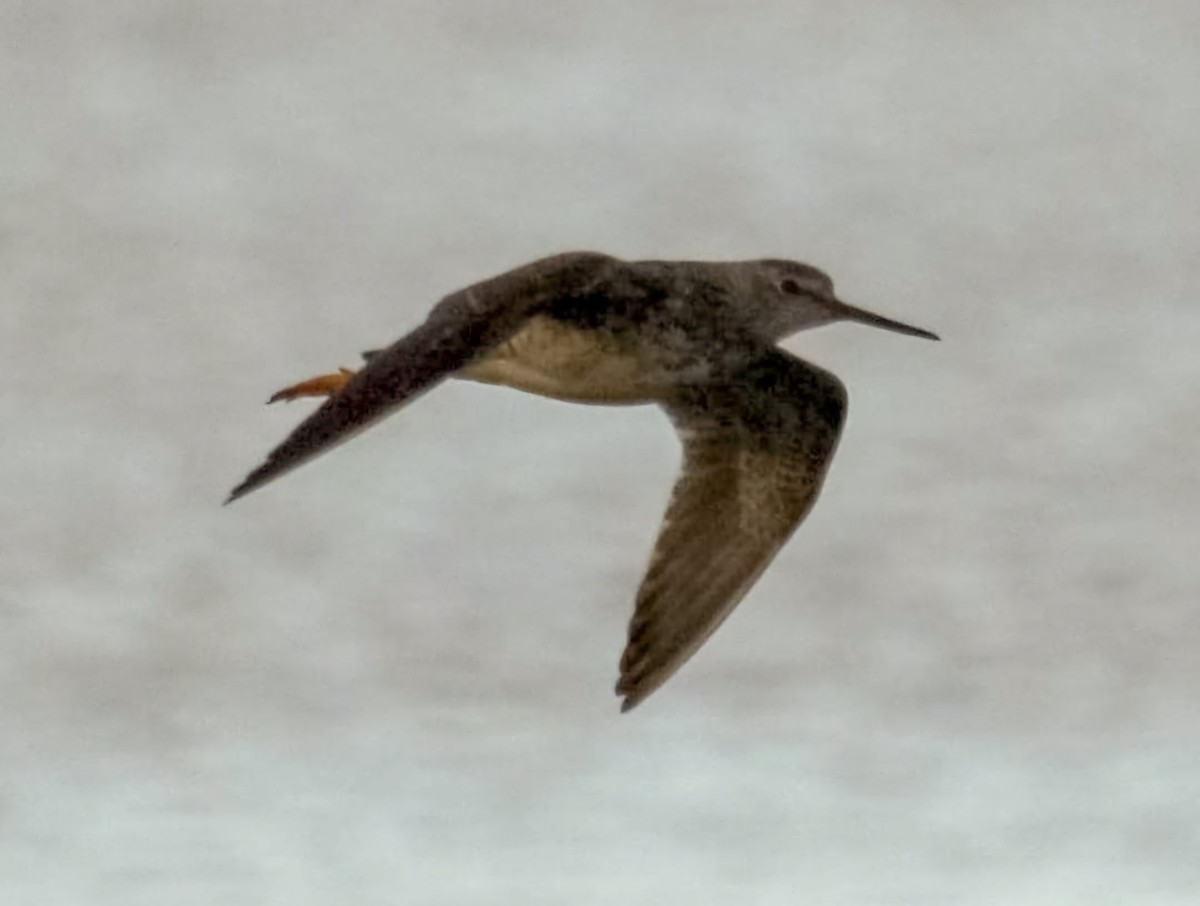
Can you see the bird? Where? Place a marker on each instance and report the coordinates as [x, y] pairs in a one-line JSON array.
[[758, 426]]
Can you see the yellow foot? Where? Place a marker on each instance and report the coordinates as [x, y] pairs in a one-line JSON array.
[[322, 385]]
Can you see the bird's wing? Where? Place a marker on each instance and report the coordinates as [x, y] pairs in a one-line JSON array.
[[464, 325], [756, 447]]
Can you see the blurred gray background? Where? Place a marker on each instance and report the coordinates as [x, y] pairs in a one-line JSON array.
[[971, 677]]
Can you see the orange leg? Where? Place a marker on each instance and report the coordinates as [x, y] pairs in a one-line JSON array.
[[321, 385]]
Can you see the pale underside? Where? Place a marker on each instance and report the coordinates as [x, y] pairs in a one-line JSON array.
[[549, 358]]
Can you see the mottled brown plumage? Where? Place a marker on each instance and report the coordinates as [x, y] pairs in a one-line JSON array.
[[758, 425]]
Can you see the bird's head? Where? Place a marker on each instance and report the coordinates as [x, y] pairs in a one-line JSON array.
[[794, 297]]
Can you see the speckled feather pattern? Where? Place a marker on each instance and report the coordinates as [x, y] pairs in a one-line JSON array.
[[756, 447]]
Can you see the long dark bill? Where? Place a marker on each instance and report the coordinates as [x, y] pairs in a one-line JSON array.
[[862, 316]]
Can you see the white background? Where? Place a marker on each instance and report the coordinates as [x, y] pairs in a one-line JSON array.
[[971, 677]]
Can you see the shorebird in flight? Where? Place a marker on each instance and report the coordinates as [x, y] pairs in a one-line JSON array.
[[758, 425]]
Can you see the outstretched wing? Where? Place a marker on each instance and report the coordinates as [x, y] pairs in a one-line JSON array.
[[756, 447], [464, 325]]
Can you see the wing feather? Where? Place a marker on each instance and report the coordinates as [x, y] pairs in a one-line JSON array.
[[464, 325], [756, 447]]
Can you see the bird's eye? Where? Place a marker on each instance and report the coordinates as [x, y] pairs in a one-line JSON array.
[[790, 286]]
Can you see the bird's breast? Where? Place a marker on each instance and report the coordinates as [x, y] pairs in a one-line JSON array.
[[563, 361]]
